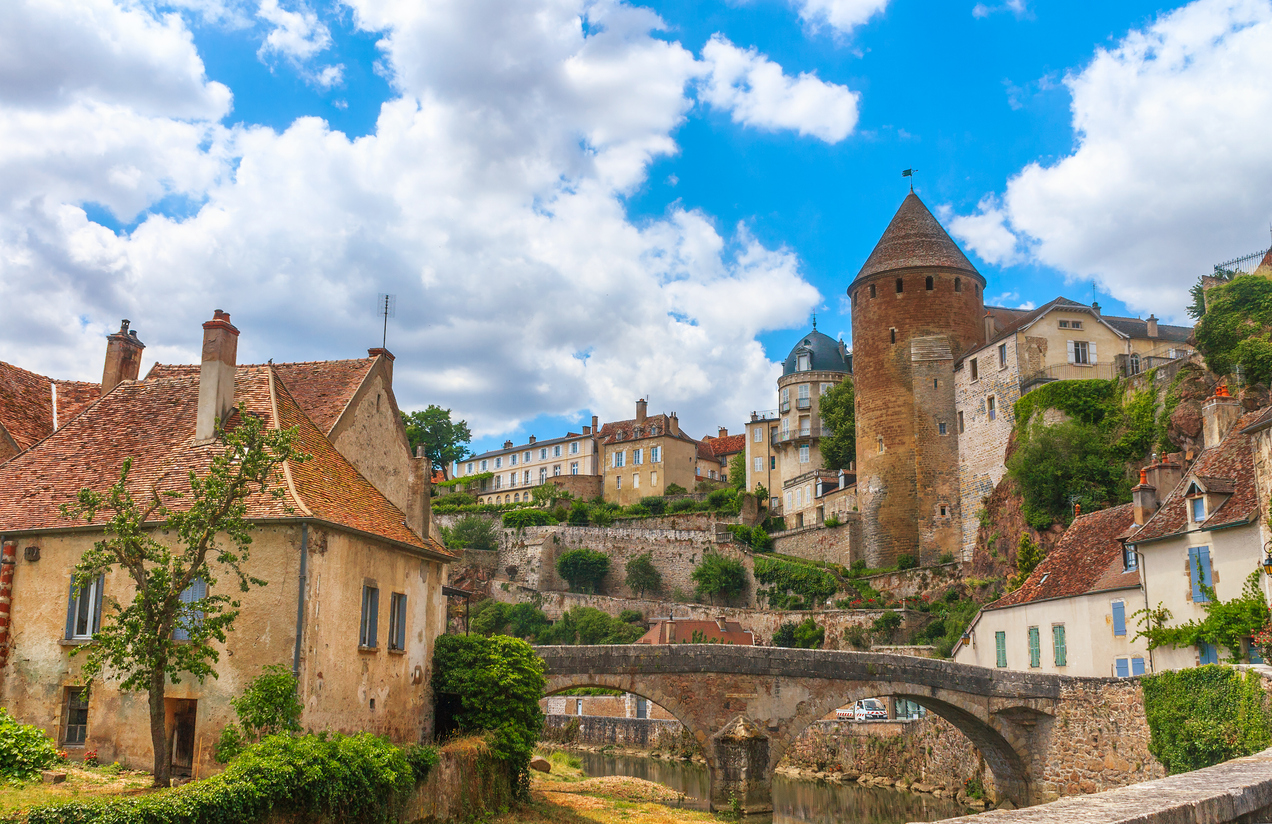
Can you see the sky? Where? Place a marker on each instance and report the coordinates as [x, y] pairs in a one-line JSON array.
[[577, 203]]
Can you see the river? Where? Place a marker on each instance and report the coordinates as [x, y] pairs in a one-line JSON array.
[[794, 801]]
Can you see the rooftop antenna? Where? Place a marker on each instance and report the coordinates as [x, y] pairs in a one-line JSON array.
[[386, 305], [910, 174]]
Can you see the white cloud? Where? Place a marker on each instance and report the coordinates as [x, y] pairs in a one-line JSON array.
[[986, 233], [1017, 7], [1170, 173], [841, 15], [489, 198], [757, 93], [296, 35]]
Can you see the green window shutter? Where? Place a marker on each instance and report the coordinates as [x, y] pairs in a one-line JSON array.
[[1035, 648], [1057, 640], [1000, 646]]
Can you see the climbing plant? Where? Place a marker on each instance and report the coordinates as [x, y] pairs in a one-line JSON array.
[[719, 577], [1236, 330], [1227, 624], [583, 569], [792, 585], [1203, 716]]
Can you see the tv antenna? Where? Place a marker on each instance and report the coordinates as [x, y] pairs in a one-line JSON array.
[[386, 305]]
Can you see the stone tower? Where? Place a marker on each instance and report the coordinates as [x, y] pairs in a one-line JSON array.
[[917, 305]]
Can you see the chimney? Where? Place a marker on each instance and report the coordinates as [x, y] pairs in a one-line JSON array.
[[721, 624], [1095, 308], [724, 432], [507, 444], [216, 374], [380, 351], [1164, 475], [532, 439], [123, 357], [1218, 414], [641, 406], [587, 430], [991, 327], [1152, 326], [673, 424], [419, 516], [1144, 499], [595, 427]]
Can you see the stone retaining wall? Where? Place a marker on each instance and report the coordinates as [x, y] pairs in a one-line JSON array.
[[650, 734], [911, 583], [833, 545]]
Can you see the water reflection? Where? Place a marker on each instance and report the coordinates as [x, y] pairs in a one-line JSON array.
[[794, 802]]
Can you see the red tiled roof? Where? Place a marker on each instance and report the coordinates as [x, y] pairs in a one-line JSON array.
[[681, 632], [1224, 469], [1087, 559], [152, 421], [26, 403], [728, 445], [653, 426], [322, 388]]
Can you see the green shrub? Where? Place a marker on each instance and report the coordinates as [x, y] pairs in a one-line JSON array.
[[906, 562], [602, 515], [496, 684], [832, 522], [719, 577], [455, 499], [587, 625], [642, 576], [522, 518], [1203, 716], [354, 778], [674, 489], [761, 541], [805, 635], [947, 558], [656, 504], [631, 616], [1235, 330], [683, 505], [269, 704], [584, 569], [230, 744], [471, 532], [887, 622], [793, 585], [722, 498], [24, 749], [579, 514]]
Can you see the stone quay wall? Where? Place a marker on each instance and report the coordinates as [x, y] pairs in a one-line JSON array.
[[763, 623]]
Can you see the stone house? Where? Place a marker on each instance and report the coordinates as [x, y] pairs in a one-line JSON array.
[[723, 448], [353, 600], [507, 475], [1061, 340], [762, 454], [1073, 614], [644, 455], [1206, 525]]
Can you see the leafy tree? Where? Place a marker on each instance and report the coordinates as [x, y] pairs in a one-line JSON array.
[[210, 533], [654, 504], [1028, 555], [1057, 466], [803, 635], [587, 625], [522, 518], [578, 514], [268, 706], [674, 489], [583, 569], [631, 616], [642, 577], [737, 471], [497, 683], [471, 532], [1227, 623], [549, 494], [1237, 329], [719, 577], [444, 442], [838, 411]]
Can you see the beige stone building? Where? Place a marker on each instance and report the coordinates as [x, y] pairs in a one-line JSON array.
[[1062, 340], [1073, 615], [644, 455], [1204, 526], [353, 600], [507, 475]]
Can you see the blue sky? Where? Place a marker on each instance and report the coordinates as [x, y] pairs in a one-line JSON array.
[[579, 203]]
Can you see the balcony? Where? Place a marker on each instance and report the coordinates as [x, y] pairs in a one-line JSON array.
[[785, 406], [1069, 372], [803, 403], [780, 437]]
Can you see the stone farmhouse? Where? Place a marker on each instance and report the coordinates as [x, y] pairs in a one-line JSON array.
[[353, 600]]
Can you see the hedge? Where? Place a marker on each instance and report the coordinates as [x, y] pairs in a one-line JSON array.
[[1206, 715]]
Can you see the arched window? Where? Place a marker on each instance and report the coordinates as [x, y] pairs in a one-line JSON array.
[[958, 284], [900, 287], [1135, 363], [930, 283]]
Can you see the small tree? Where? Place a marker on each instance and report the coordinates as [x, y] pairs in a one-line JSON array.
[[444, 442], [838, 411], [583, 569], [136, 641], [737, 472], [1028, 556], [642, 577], [719, 577], [471, 532], [268, 706]]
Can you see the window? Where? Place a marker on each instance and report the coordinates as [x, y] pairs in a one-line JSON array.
[[1035, 648], [936, 383], [638, 457], [653, 479], [556, 470], [483, 466], [1058, 645], [975, 371], [1207, 654], [1198, 508], [397, 621], [803, 399], [958, 284], [757, 434], [512, 479], [189, 618], [543, 474], [499, 482], [498, 463], [772, 462], [1119, 619], [1130, 560], [1135, 364], [799, 498], [1082, 352], [803, 454], [618, 481], [940, 429], [636, 481], [880, 444], [516, 497], [872, 290], [1002, 356], [894, 335], [1122, 667], [900, 286], [75, 731], [574, 447], [786, 396], [556, 451], [1199, 572], [786, 428], [543, 454], [525, 458], [1000, 648], [370, 616], [655, 454], [929, 284], [991, 408], [803, 362], [960, 423], [1075, 324], [620, 459], [84, 610], [788, 500], [759, 464], [512, 459], [468, 468], [525, 477], [945, 511], [1064, 324], [1137, 666], [574, 467]]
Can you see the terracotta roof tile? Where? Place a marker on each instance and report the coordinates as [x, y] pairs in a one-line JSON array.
[[654, 426], [322, 388], [1087, 559], [1226, 469], [728, 445], [26, 403], [914, 238]]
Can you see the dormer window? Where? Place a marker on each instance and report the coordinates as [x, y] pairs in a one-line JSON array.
[[803, 362], [1197, 506]]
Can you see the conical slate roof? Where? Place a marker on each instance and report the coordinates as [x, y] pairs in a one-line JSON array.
[[914, 238], [824, 349]]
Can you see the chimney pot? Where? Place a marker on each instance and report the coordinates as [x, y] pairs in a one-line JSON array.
[[595, 421], [216, 374], [724, 432], [532, 439], [1095, 308], [123, 357], [1152, 326]]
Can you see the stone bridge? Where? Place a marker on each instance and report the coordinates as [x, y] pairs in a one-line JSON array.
[[1042, 736]]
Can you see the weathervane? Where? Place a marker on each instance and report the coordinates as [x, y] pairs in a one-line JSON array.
[[386, 305], [814, 321], [910, 174]]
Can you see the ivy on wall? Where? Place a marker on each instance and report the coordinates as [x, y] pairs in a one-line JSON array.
[[1227, 624], [792, 585], [1204, 716]]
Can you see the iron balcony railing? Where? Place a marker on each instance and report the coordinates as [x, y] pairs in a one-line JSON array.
[[780, 437], [803, 403], [785, 406]]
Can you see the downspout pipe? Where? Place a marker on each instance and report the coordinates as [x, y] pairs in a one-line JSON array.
[[8, 564], [300, 598]]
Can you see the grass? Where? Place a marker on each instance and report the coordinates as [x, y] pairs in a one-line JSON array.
[[80, 783]]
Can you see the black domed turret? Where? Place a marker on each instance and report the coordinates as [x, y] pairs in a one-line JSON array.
[[824, 355]]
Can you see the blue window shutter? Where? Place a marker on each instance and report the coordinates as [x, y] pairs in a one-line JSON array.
[[1255, 657], [373, 619], [70, 611], [1209, 655], [1203, 567], [1122, 669], [1137, 666], [97, 610], [1194, 573], [1119, 618]]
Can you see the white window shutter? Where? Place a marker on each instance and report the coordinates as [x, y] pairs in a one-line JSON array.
[[1070, 350], [1091, 351]]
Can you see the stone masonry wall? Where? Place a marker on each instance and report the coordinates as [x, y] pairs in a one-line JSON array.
[[982, 443], [910, 583], [833, 545], [629, 733]]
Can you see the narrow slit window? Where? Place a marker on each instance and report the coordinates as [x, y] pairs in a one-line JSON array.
[[872, 290], [958, 284], [397, 621], [930, 283], [894, 335], [900, 286], [370, 617]]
